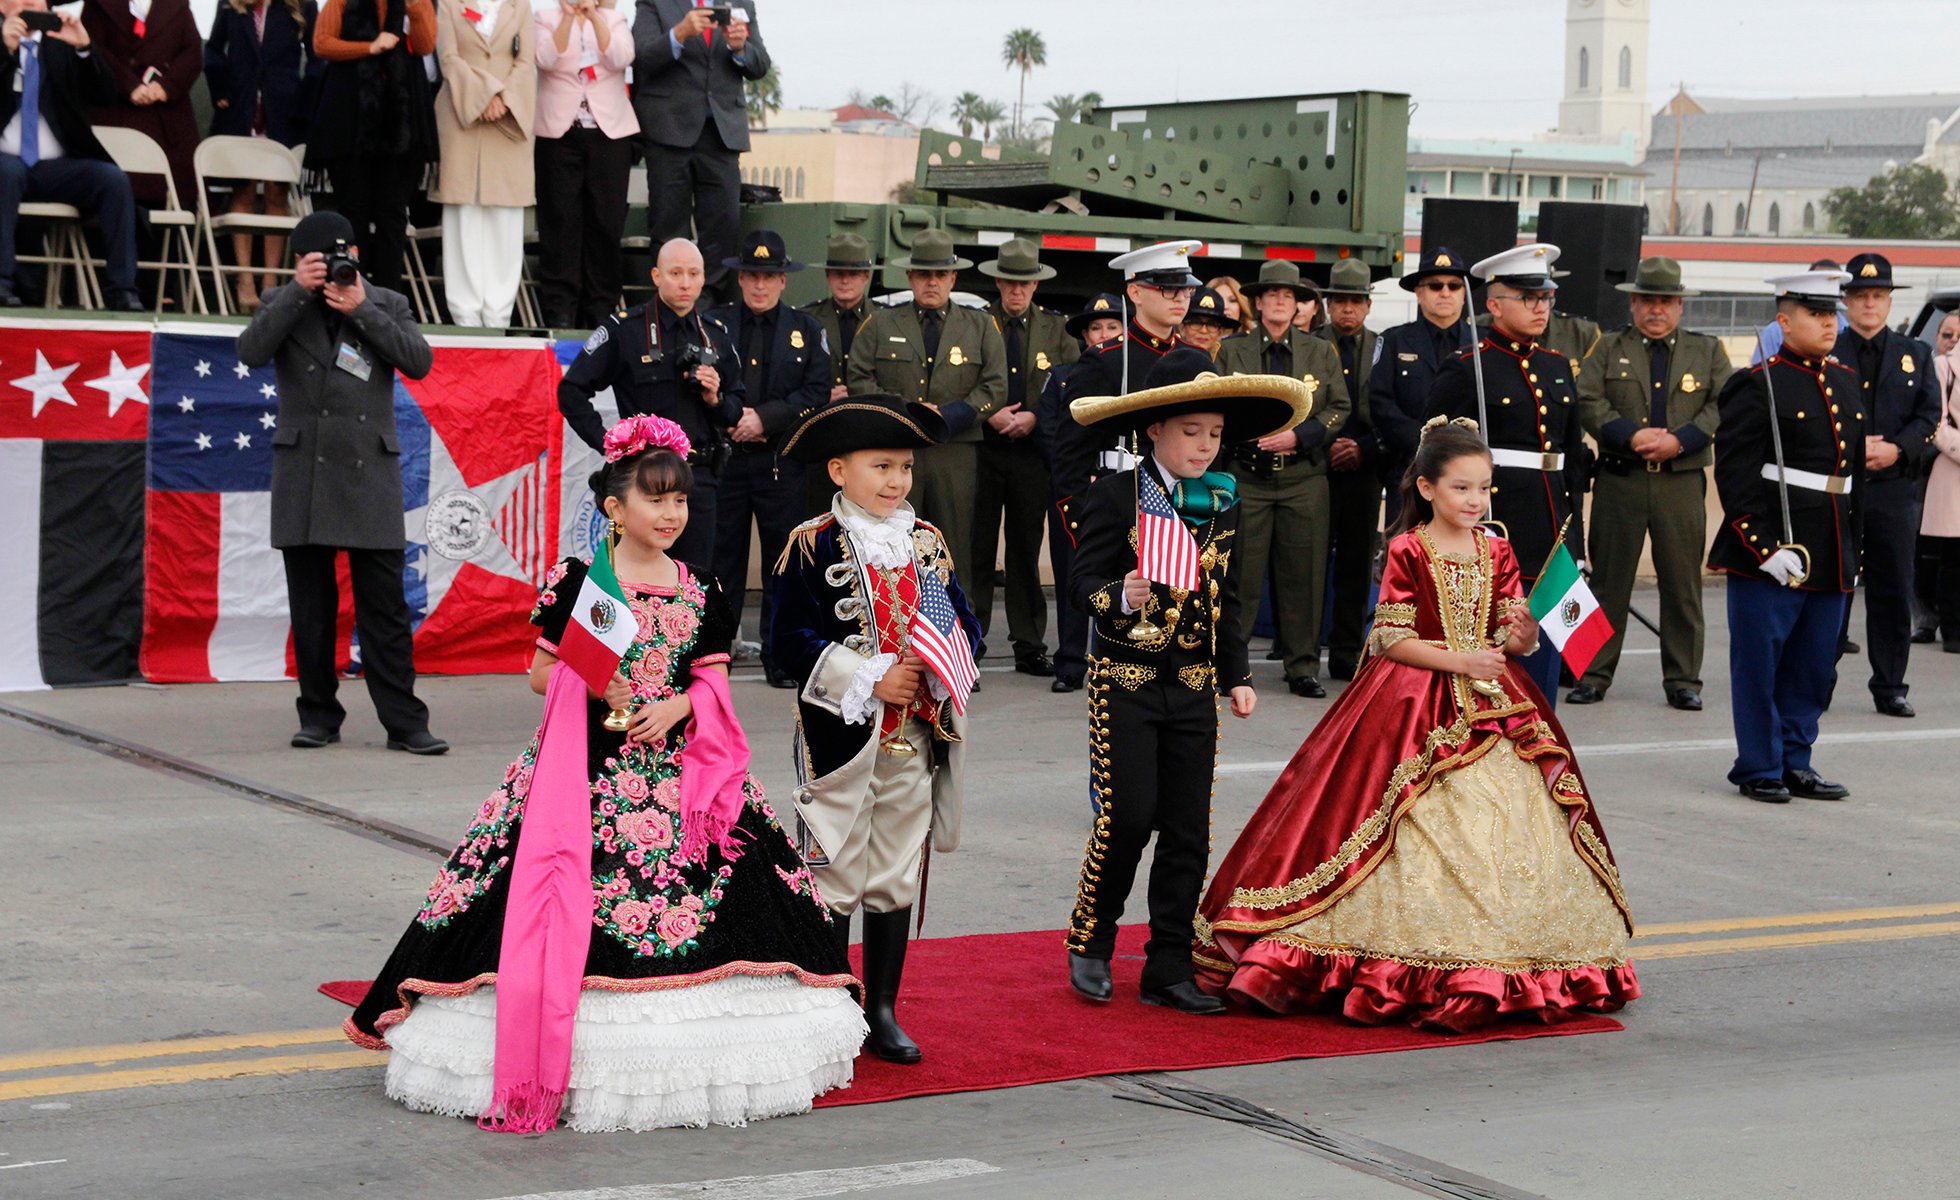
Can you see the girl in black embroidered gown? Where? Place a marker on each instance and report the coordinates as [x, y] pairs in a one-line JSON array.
[[713, 990]]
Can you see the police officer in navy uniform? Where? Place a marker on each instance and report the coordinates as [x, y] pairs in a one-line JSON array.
[[1408, 358], [667, 358], [1530, 421], [1788, 586], [1902, 399], [1158, 286], [786, 372]]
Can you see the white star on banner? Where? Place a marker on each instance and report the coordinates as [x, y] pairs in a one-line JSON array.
[[267, 420], [268, 391], [243, 441], [240, 370], [186, 404], [123, 385], [203, 369], [203, 441], [47, 384]]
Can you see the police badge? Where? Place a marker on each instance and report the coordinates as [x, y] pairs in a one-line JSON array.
[[956, 356], [1689, 383]]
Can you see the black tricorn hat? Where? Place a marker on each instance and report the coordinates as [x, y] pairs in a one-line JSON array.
[[1186, 380], [874, 421]]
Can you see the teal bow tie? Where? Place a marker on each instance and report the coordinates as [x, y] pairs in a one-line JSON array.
[[1199, 500]]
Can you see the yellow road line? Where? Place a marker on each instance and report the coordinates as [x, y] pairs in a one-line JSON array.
[[82, 1055], [108, 1081], [1784, 941], [1729, 924]]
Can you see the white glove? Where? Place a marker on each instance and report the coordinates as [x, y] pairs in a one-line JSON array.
[[1785, 566]]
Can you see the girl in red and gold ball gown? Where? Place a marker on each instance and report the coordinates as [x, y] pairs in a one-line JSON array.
[[1431, 855]]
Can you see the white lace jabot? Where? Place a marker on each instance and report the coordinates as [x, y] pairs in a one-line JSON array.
[[885, 542]]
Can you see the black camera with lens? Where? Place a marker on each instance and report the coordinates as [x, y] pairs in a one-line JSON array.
[[692, 356], [342, 270]]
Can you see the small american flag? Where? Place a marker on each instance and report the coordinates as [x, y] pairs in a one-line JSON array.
[[1166, 551], [939, 640]]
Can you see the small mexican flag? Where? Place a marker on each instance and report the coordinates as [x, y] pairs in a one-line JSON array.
[[1567, 611], [602, 627]]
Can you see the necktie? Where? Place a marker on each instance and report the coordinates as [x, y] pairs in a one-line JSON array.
[[847, 330], [30, 103], [1017, 381], [1867, 364], [755, 357], [1347, 348], [929, 323], [1657, 368], [1279, 359], [708, 34]]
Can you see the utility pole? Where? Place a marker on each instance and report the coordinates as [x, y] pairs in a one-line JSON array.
[[1674, 184], [1749, 208]]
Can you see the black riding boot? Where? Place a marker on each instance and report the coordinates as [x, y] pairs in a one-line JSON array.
[[884, 967]]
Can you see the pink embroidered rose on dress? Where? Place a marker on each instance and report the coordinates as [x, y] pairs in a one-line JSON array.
[[667, 793], [632, 785], [679, 924], [677, 622], [633, 917], [649, 828]]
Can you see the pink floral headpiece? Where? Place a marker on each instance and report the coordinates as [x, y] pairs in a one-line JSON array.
[[635, 434]]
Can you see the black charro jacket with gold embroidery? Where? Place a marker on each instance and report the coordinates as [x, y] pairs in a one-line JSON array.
[[1532, 402], [1201, 639], [1821, 417]]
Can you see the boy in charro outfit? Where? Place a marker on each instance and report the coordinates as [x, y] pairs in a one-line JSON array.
[[1151, 570], [871, 621]]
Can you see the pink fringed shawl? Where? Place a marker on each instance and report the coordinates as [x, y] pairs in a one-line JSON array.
[[548, 914]]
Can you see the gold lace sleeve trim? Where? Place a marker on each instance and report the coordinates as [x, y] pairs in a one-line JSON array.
[[1381, 637], [1395, 614]]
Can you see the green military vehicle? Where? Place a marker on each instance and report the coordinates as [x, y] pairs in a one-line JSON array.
[[1308, 178]]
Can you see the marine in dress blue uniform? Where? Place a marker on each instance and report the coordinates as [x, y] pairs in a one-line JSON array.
[[1530, 421], [1902, 402], [1788, 587]]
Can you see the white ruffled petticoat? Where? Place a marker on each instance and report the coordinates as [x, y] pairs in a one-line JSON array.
[[735, 1050]]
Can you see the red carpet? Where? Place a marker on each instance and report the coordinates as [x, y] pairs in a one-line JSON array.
[[995, 1011]]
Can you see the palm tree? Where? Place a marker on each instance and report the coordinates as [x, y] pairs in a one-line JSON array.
[[1087, 103], [964, 106], [987, 114], [1066, 107], [1023, 51], [765, 97]]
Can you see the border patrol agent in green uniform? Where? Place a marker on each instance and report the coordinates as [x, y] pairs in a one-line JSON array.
[[1013, 474], [1649, 400], [847, 269], [1284, 507], [1354, 462], [939, 353]]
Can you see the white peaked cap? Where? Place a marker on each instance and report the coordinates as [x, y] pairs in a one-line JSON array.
[[1530, 263], [1821, 289], [1161, 259]]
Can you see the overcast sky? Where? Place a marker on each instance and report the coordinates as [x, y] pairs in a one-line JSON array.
[[1474, 67]]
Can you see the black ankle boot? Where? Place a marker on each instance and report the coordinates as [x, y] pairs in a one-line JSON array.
[[884, 967]]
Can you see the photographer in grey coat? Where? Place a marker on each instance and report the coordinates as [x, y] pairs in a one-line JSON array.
[[336, 475]]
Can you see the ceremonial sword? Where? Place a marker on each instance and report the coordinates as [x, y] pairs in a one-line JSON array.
[[1789, 541]]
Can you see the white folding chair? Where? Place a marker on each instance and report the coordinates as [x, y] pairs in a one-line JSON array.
[[249, 160], [416, 274], [137, 153], [63, 248]]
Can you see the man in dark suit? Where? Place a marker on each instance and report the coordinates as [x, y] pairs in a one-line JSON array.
[[337, 481], [690, 80], [48, 153], [1902, 406], [785, 365]]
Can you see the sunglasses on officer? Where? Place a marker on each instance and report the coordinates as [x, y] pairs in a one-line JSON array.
[[1442, 285]]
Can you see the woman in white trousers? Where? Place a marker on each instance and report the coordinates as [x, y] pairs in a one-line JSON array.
[[486, 179]]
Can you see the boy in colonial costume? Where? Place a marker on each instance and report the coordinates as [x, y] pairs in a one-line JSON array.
[[1152, 564], [871, 622]]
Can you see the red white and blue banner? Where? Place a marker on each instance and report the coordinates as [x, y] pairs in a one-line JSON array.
[[136, 463]]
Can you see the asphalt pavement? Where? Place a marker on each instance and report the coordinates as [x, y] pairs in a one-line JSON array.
[[168, 916]]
